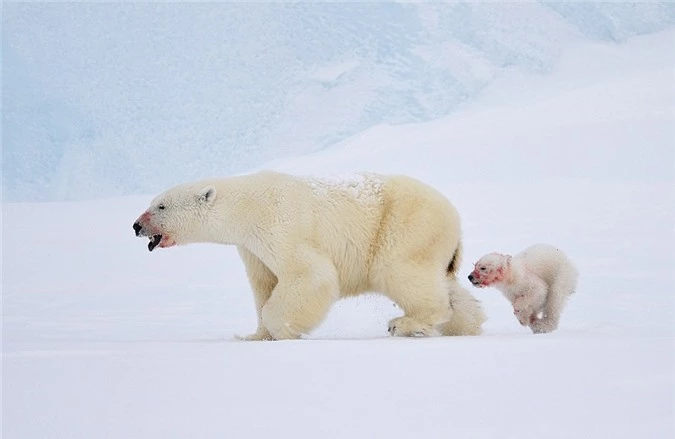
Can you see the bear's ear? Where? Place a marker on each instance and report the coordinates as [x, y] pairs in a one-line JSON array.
[[207, 195], [508, 260]]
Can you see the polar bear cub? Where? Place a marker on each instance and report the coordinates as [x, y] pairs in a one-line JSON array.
[[536, 281], [307, 242]]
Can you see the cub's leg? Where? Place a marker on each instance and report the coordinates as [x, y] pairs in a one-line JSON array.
[[562, 287], [523, 310]]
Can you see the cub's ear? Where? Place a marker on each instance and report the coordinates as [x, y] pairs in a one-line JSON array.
[[207, 195]]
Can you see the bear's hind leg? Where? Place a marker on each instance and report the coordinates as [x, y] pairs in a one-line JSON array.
[[306, 291], [423, 298], [262, 282]]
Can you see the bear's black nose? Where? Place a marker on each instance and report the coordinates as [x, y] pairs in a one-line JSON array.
[[137, 228], [471, 277]]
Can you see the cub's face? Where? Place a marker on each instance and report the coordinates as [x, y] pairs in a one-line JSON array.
[[174, 216], [489, 269]]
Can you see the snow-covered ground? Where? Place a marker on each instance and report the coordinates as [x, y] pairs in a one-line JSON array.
[[102, 339]]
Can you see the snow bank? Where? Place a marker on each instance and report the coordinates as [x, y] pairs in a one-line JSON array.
[[106, 99]]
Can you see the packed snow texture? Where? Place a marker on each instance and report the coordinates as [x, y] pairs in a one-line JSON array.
[[111, 98], [363, 186], [103, 339]]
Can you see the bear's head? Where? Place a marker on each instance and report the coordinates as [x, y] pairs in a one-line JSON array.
[[177, 216], [490, 269]]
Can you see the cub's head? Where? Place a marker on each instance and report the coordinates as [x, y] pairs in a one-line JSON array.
[[176, 216], [490, 269]]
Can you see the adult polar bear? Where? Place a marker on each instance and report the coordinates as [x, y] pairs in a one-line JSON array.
[[307, 242]]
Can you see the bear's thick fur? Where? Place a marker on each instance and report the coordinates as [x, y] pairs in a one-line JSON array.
[[307, 242]]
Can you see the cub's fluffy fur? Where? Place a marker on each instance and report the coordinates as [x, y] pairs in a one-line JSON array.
[[537, 282]]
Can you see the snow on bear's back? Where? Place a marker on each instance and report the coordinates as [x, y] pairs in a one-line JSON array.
[[363, 187]]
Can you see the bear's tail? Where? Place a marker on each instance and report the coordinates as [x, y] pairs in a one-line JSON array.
[[467, 315], [456, 261]]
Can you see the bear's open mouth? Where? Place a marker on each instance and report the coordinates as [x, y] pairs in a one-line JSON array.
[[154, 242]]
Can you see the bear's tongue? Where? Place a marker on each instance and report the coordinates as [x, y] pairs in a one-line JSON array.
[[154, 242]]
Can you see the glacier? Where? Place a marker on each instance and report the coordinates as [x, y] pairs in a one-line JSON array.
[[109, 99]]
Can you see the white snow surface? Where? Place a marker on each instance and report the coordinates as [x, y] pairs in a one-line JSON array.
[[102, 339]]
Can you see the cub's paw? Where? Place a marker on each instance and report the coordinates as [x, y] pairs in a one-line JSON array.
[[543, 326], [409, 327], [523, 316]]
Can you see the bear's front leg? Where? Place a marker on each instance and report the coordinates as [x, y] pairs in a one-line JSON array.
[[262, 281], [308, 286], [262, 334]]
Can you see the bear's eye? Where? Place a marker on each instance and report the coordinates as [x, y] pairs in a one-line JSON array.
[[161, 207], [482, 268]]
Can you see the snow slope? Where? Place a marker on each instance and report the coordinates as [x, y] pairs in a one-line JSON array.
[[103, 339], [97, 96]]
